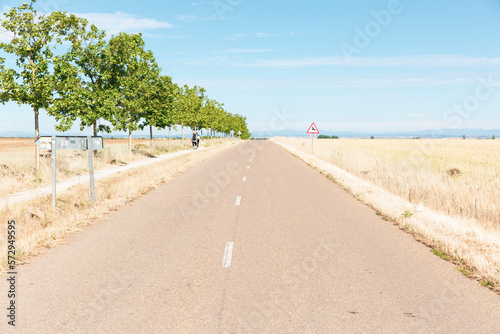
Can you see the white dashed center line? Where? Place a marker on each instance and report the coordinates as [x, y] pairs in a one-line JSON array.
[[228, 254], [244, 179], [238, 200]]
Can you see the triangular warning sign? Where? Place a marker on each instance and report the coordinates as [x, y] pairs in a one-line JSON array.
[[313, 130]]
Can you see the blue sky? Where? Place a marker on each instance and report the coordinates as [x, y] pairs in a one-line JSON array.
[[361, 65]]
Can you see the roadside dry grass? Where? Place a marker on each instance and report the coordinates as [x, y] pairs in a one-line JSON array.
[[445, 192], [17, 164], [39, 227]]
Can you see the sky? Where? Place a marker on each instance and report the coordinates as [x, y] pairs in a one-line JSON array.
[[365, 65]]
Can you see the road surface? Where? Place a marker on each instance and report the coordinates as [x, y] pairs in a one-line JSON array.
[[250, 241]]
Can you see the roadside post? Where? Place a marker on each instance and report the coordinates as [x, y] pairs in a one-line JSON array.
[[55, 143], [313, 132], [232, 134], [239, 134], [91, 168], [53, 149]]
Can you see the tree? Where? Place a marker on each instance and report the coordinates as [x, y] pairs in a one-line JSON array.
[[35, 37], [186, 101], [84, 83], [463, 137], [196, 118], [493, 137], [213, 113], [160, 112], [135, 72], [5, 90]]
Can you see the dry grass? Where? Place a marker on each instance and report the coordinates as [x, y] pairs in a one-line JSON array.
[[39, 227], [445, 191], [17, 160]]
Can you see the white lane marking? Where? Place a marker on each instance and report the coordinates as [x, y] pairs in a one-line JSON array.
[[228, 254], [251, 160], [248, 167], [238, 200], [244, 179]]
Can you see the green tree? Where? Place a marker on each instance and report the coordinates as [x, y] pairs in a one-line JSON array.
[[213, 112], [160, 112], [84, 83], [189, 102], [5, 90], [135, 72], [35, 37], [182, 106]]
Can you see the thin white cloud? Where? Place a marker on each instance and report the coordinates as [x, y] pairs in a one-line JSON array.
[[416, 115], [178, 36], [444, 62], [298, 33], [243, 51], [5, 36], [235, 37], [322, 83], [194, 18], [413, 61], [123, 22]]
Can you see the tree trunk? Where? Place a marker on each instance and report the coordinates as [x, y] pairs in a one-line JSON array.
[[130, 141], [37, 148], [95, 135], [170, 138], [182, 127], [151, 137]]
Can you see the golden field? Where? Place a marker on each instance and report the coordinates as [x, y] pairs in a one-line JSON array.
[[17, 160], [453, 176]]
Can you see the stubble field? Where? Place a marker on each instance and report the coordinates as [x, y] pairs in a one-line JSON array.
[[460, 178], [17, 160]]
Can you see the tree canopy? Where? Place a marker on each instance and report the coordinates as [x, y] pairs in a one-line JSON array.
[[73, 71]]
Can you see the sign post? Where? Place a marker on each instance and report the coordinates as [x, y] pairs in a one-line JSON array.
[[54, 143], [53, 148], [91, 168], [313, 132]]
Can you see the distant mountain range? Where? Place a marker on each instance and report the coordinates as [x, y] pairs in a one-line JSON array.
[[439, 133]]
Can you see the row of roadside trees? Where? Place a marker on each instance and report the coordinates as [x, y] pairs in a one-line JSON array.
[[73, 71]]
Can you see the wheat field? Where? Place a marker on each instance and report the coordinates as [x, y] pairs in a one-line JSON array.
[[17, 161], [460, 178]]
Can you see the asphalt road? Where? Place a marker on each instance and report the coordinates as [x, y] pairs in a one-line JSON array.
[[250, 241]]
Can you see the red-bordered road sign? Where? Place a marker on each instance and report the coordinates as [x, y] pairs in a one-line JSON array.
[[313, 130]]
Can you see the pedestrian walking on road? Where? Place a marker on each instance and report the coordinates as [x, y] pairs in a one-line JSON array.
[[194, 140], [197, 140]]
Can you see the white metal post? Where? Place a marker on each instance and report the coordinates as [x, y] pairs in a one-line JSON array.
[[54, 172], [91, 167]]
